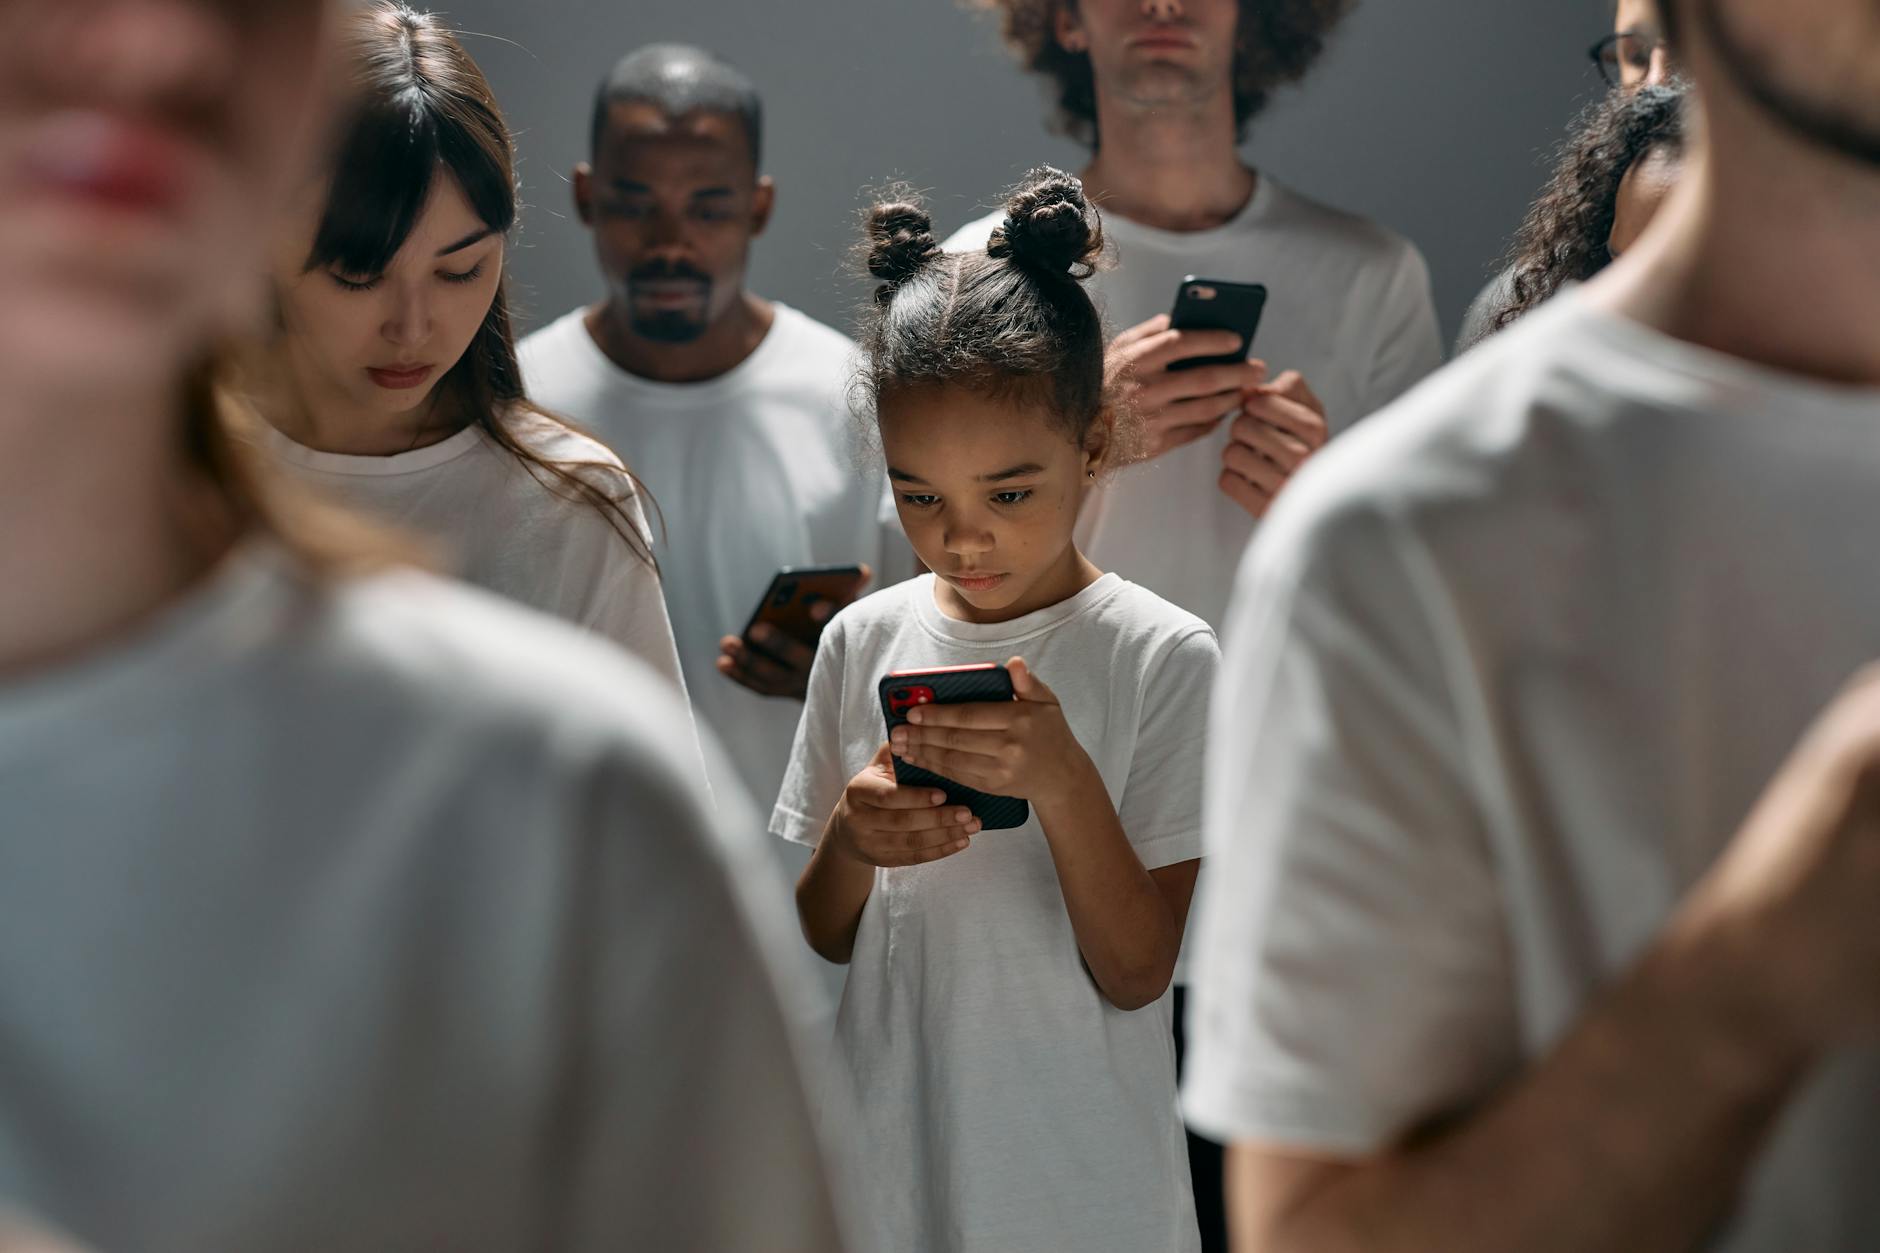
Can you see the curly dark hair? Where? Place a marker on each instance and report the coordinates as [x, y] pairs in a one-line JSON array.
[[1566, 235], [1278, 42]]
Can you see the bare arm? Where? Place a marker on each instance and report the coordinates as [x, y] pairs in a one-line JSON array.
[[1634, 1134], [1128, 920]]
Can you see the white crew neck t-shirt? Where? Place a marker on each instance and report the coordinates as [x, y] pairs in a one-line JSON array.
[[384, 915], [752, 471], [496, 525], [1003, 1103], [1348, 306], [1506, 671]]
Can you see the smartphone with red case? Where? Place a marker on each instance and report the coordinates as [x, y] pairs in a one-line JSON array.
[[794, 591], [952, 685], [1212, 304]]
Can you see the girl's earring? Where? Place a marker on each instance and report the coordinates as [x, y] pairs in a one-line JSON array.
[[1090, 474]]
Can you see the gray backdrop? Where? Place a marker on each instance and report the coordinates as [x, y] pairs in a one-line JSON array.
[[1432, 116]]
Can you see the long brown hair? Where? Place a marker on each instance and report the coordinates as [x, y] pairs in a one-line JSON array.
[[422, 104]]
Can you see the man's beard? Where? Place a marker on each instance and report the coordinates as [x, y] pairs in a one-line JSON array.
[[1850, 128], [670, 325]]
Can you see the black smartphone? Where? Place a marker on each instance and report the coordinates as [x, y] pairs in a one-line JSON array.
[[952, 685], [1212, 304], [795, 591]]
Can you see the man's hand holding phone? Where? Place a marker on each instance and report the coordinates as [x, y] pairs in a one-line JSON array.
[[1178, 407], [1281, 424], [1023, 748], [772, 662]]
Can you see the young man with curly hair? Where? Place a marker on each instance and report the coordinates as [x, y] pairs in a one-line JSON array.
[[1543, 902], [1163, 91]]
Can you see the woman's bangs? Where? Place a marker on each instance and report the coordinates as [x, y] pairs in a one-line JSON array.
[[381, 181]]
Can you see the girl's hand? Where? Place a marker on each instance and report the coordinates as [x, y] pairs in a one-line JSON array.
[[880, 823], [1021, 748]]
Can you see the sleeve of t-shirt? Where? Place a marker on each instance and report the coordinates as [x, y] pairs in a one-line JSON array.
[[1410, 339], [1351, 980], [816, 776], [686, 1119], [1161, 808]]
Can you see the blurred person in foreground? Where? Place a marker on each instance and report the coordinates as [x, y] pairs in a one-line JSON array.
[[1543, 766], [340, 906]]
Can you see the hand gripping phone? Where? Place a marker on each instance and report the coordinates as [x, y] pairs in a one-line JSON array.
[[795, 590], [1209, 304], [954, 685]]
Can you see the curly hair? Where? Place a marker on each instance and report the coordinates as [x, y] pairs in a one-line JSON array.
[[1566, 235], [1278, 42]]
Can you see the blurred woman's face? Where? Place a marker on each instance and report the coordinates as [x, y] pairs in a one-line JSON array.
[[143, 147]]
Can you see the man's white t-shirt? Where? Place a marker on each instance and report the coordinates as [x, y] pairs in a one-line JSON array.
[[1506, 671], [751, 471], [1348, 306], [1003, 1103], [384, 915], [500, 527]]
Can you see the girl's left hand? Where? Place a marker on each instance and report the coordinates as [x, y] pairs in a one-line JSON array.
[[1020, 748]]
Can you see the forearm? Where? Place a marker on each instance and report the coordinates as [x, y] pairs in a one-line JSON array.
[[1635, 1133], [830, 897], [1123, 924]]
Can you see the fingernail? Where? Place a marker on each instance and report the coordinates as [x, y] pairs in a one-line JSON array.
[[962, 815], [973, 828], [914, 716], [938, 798]]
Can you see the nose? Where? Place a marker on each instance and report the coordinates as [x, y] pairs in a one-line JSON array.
[[1659, 72], [966, 538], [1162, 10], [408, 322]]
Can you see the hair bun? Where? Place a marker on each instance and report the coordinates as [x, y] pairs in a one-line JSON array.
[[1049, 226], [901, 243]]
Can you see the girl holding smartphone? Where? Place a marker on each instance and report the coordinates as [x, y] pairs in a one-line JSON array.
[[1005, 1023]]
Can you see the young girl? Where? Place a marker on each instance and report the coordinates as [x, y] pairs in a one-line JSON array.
[[393, 384], [1005, 1022]]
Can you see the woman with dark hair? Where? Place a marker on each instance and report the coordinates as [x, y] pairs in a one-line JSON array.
[[1619, 166], [393, 384], [339, 909]]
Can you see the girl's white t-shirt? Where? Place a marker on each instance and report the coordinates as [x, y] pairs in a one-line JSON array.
[[497, 525], [383, 914], [1001, 1102]]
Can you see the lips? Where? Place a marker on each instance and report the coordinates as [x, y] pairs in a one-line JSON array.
[[976, 582], [400, 378], [114, 162]]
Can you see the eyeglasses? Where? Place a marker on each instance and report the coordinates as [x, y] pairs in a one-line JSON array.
[[1625, 58]]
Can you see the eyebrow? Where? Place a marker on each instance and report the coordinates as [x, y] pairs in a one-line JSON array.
[[998, 476], [475, 237]]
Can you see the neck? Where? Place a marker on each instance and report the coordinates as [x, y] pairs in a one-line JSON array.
[[99, 525], [297, 401], [1767, 251], [724, 346], [1176, 168]]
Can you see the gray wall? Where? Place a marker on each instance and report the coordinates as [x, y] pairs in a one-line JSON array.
[[1432, 116]]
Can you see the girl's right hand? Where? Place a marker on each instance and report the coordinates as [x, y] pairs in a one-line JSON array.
[[881, 823]]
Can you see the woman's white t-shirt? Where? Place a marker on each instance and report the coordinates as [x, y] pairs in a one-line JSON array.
[[1002, 1103], [500, 527], [385, 915]]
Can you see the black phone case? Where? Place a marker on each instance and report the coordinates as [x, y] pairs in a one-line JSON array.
[[785, 593], [1235, 307], [965, 687]]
